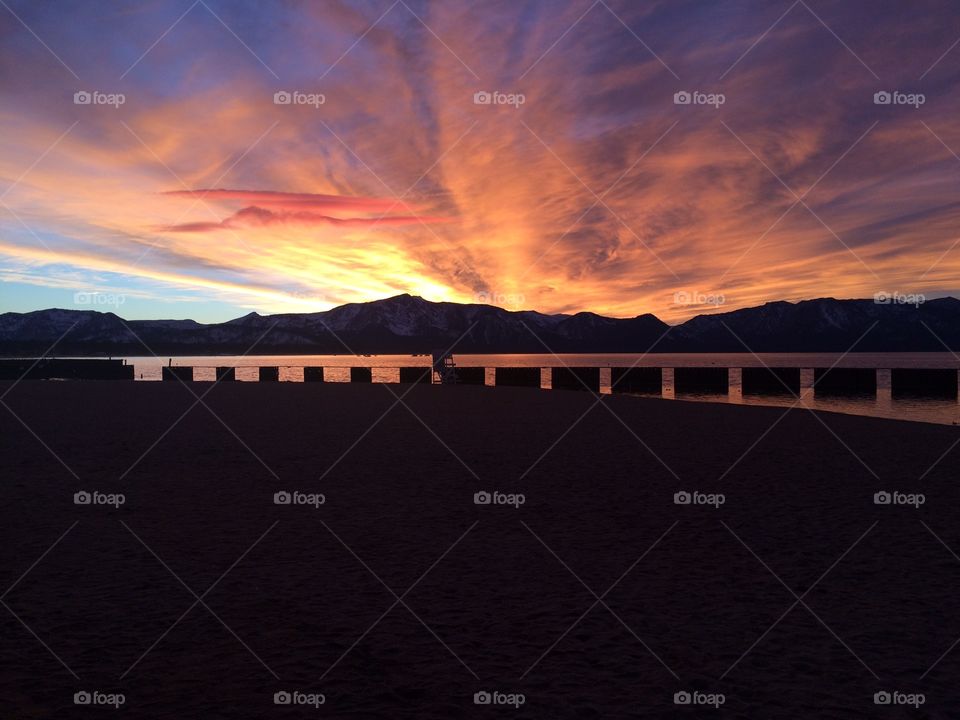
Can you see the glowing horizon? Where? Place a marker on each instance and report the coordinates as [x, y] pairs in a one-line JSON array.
[[534, 157]]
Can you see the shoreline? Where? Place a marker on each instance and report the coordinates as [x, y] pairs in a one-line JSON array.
[[498, 584]]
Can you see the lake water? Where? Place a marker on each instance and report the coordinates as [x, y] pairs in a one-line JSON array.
[[385, 369]]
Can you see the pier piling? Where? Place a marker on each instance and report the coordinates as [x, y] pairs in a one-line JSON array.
[[177, 372]]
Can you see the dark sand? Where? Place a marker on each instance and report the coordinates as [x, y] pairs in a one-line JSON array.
[[498, 599]]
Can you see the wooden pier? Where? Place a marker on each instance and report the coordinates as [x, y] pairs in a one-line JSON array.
[[662, 381], [65, 369]]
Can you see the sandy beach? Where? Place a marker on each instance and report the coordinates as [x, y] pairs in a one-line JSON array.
[[398, 596]]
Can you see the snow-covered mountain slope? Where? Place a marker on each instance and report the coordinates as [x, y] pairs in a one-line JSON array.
[[406, 324]]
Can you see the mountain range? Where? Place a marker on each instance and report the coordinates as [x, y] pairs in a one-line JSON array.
[[407, 324]]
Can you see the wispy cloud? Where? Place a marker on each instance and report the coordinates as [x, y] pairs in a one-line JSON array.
[[597, 192]]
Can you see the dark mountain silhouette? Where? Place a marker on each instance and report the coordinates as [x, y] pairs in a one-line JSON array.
[[406, 324], [827, 325]]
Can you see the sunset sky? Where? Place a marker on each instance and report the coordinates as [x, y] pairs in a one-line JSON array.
[[200, 196]]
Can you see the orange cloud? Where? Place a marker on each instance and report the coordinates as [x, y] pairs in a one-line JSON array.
[[598, 193]]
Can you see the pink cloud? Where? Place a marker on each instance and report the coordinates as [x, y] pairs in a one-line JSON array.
[[297, 209], [294, 201]]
